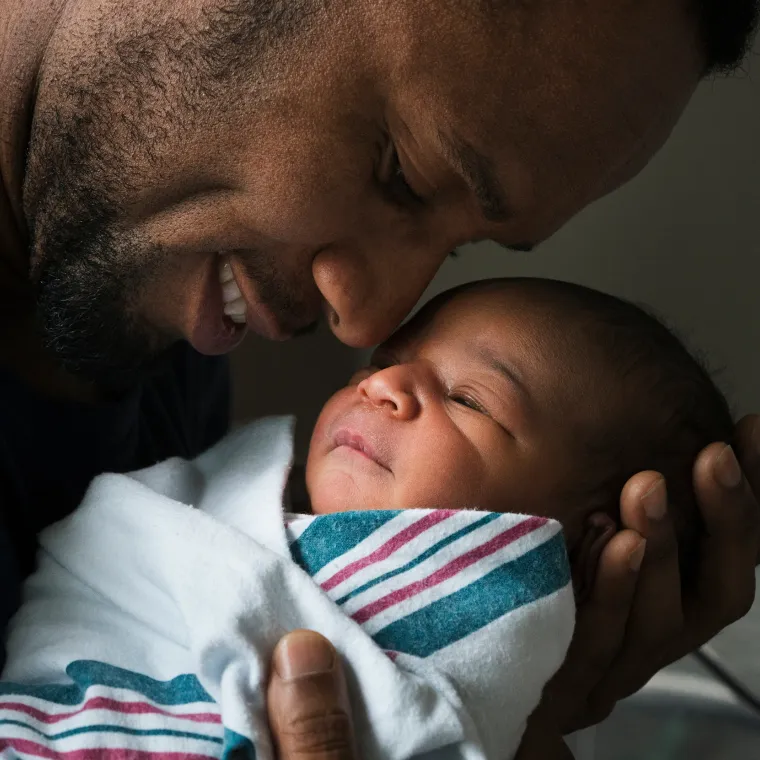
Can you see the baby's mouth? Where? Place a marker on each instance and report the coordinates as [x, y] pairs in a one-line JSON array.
[[354, 441]]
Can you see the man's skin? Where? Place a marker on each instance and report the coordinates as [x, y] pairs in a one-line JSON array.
[[176, 132]]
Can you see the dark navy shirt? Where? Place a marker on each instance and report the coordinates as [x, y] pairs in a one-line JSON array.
[[50, 450]]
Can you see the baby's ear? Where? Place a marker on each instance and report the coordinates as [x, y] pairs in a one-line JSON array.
[[598, 529]]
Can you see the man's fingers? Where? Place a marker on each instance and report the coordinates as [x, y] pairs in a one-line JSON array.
[[725, 585], [747, 444], [747, 441], [655, 617], [603, 620], [307, 700], [542, 741], [600, 628]]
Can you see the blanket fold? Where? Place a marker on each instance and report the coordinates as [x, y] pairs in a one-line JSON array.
[[151, 621]]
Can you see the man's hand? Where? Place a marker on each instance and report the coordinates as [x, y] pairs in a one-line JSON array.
[[308, 700], [542, 741], [639, 618], [310, 717]]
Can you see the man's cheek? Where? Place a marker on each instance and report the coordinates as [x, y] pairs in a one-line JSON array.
[[301, 216]]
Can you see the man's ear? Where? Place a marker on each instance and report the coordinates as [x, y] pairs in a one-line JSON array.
[[598, 529]]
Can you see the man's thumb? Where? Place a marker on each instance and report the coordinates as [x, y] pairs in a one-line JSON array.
[[308, 701]]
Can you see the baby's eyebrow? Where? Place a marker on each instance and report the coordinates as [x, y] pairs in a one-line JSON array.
[[504, 368]]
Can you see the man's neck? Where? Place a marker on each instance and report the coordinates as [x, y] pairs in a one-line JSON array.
[[24, 36]]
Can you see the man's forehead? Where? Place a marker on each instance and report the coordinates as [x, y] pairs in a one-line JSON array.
[[555, 106]]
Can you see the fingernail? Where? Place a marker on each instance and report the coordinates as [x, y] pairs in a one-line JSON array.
[[303, 653], [655, 501], [636, 557], [727, 470]]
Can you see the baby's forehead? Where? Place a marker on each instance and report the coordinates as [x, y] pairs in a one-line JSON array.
[[522, 322], [502, 313]]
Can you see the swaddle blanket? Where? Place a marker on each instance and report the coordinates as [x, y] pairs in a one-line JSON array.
[[148, 629]]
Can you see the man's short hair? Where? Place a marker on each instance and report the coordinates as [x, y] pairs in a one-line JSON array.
[[727, 29]]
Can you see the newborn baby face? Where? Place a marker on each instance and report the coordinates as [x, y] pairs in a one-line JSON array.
[[472, 404]]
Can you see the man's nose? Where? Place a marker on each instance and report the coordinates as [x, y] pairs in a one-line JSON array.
[[392, 390], [370, 291]]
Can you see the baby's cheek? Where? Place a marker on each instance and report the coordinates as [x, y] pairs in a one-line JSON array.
[[479, 472], [443, 482]]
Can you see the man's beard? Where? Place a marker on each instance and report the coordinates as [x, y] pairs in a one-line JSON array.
[[98, 128], [88, 302], [86, 309]]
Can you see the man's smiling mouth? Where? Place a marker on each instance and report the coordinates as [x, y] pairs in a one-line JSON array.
[[234, 304]]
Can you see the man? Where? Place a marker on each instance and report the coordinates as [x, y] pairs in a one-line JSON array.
[[173, 173]]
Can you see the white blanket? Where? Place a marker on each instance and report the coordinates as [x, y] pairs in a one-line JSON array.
[[149, 625]]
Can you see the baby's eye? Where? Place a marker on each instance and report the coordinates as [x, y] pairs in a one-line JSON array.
[[467, 401]]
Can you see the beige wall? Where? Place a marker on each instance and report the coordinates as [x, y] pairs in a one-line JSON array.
[[683, 237]]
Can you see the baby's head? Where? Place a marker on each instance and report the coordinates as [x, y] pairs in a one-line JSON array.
[[519, 395]]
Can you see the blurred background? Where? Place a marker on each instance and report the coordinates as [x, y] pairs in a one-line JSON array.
[[684, 239]]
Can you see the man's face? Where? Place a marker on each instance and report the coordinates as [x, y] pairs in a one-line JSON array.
[[324, 161]]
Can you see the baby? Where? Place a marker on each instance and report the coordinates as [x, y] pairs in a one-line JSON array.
[[520, 395], [455, 488]]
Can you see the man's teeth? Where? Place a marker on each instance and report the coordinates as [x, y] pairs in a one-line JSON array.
[[234, 303]]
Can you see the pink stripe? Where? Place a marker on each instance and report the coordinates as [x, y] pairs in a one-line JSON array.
[[104, 703], [449, 571], [390, 546], [96, 753]]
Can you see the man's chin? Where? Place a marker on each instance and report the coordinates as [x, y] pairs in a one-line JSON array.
[[114, 380], [112, 360]]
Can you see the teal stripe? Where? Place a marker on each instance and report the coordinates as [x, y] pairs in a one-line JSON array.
[[422, 557], [329, 536], [183, 689], [237, 747], [108, 729], [536, 574]]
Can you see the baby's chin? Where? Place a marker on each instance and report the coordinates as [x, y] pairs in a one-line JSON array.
[[338, 491], [342, 481]]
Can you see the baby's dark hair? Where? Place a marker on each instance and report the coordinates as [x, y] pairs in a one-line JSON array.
[[654, 404], [668, 408]]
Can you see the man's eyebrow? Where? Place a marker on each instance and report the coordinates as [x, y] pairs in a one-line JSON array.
[[479, 174]]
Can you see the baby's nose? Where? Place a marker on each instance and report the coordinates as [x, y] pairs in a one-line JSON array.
[[393, 390]]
